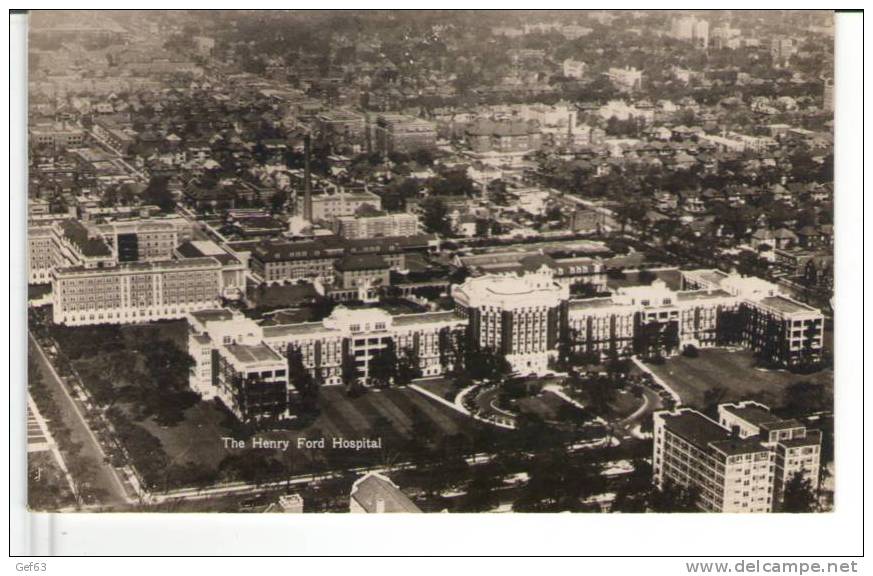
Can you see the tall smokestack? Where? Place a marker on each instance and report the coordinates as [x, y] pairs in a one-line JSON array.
[[307, 180]]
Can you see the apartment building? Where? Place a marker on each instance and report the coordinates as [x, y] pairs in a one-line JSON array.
[[729, 473], [741, 463], [797, 449]]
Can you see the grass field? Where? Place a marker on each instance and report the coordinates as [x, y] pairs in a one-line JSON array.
[[396, 416], [735, 372]]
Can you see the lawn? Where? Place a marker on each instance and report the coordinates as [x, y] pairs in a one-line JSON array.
[[735, 372], [397, 416], [442, 387]]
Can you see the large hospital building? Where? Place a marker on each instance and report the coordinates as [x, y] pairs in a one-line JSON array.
[[524, 316], [740, 463], [129, 271]]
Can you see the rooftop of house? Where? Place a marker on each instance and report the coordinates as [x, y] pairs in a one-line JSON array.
[[378, 494]]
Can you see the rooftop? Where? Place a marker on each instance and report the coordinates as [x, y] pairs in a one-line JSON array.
[[785, 305], [359, 262], [215, 315], [704, 433], [253, 354], [376, 493], [78, 234]]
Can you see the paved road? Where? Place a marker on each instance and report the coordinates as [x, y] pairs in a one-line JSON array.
[[651, 402], [105, 476]]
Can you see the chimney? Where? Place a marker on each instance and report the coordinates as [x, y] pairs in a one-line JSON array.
[[307, 179], [380, 506]]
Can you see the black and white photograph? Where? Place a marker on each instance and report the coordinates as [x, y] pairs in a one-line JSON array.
[[431, 261]]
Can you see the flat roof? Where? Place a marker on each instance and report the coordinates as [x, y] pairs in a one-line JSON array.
[[214, 315], [589, 303], [424, 318], [751, 413], [253, 354], [701, 294], [706, 434], [786, 305]]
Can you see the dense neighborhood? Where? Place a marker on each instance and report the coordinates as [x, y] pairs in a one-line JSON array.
[[431, 261]]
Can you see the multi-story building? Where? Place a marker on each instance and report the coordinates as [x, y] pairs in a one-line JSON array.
[[781, 329], [626, 79], [57, 135], [399, 133], [692, 29], [327, 207], [517, 316], [782, 48], [573, 68], [146, 240], [740, 463], [402, 224], [828, 95], [341, 129], [797, 450], [348, 336], [717, 309], [503, 137], [40, 254], [359, 277], [729, 473], [134, 291], [127, 271], [566, 271], [233, 364], [278, 261]]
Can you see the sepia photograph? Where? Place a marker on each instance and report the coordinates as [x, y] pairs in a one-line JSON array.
[[438, 261]]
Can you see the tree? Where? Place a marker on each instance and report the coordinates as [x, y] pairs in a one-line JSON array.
[[350, 374], [803, 398], [798, 495], [674, 498], [481, 492], [157, 192], [435, 216], [407, 367], [486, 363], [277, 201], [302, 379], [383, 366]]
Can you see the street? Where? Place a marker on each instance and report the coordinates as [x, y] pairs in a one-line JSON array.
[[105, 477]]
